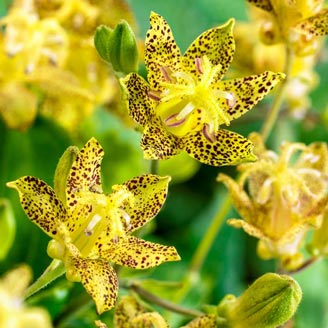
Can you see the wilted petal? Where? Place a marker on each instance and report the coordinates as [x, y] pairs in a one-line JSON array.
[[100, 281], [137, 253], [316, 25], [247, 91], [161, 50], [157, 143], [217, 44], [149, 192], [149, 320], [40, 203], [263, 4], [248, 228], [228, 148], [139, 103]]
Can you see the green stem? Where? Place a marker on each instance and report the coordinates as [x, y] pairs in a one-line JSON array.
[[164, 303], [279, 98], [54, 270], [154, 166]]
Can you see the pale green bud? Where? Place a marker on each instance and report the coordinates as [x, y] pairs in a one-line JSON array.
[[118, 47], [62, 171], [269, 302], [7, 227]]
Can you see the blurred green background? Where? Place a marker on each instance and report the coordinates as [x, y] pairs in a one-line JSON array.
[[232, 263]]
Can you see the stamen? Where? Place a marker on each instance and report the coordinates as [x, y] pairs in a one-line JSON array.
[[88, 231], [186, 110], [126, 218], [231, 100], [166, 72], [199, 67], [171, 121], [208, 134], [155, 95]]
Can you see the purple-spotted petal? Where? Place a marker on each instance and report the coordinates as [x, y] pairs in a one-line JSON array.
[[217, 44], [139, 98], [40, 203], [161, 50], [137, 253], [100, 281], [224, 148], [149, 192]]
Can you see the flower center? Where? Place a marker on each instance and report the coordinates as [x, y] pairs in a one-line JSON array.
[[107, 218], [190, 102]]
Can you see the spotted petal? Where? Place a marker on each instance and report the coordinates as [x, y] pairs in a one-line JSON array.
[[139, 104], [262, 4], [316, 25], [157, 143], [149, 192], [100, 281], [137, 253], [229, 148], [247, 91], [217, 44], [161, 50], [40, 203]]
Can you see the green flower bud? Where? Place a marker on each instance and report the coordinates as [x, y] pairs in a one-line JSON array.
[[62, 171], [118, 47], [269, 302], [7, 227]]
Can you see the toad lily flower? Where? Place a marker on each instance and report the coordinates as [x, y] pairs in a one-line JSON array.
[[286, 198], [185, 102], [91, 229]]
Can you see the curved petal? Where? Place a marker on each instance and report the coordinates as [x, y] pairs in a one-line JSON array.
[[247, 91], [316, 25], [217, 44], [229, 148], [137, 253], [248, 228], [100, 281], [161, 50], [157, 143], [262, 4], [149, 192], [83, 179], [40, 203], [139, 104]]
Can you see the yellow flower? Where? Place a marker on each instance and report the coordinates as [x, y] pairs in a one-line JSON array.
[[281, 197], [91, 229], [131, 314], [185, 102], [296, 23], [13, 312]]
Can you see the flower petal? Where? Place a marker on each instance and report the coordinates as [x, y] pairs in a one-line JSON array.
[[100, 281], [229, 148], [149, 192], [161, 50], [316, 25], [84, 176], [137, 253], [157, 143], [139, 104], [40, 203], [217, 44], [208, 321], [247, 91], [262, 4], [248, 228]]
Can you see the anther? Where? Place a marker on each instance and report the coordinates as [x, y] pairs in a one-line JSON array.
[[166, 72], [199, 66], [88, 231], [172, 121], [155, 95], [231, 100], [210, 136]]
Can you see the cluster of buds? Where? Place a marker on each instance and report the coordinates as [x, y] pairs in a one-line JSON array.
[[281, 198]]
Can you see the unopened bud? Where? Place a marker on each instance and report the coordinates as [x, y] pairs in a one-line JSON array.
[[269, 302], [118, 47]]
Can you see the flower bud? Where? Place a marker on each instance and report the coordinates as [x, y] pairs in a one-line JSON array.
[[118, 47], [7, 227], [269, 302], [62, 171]]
